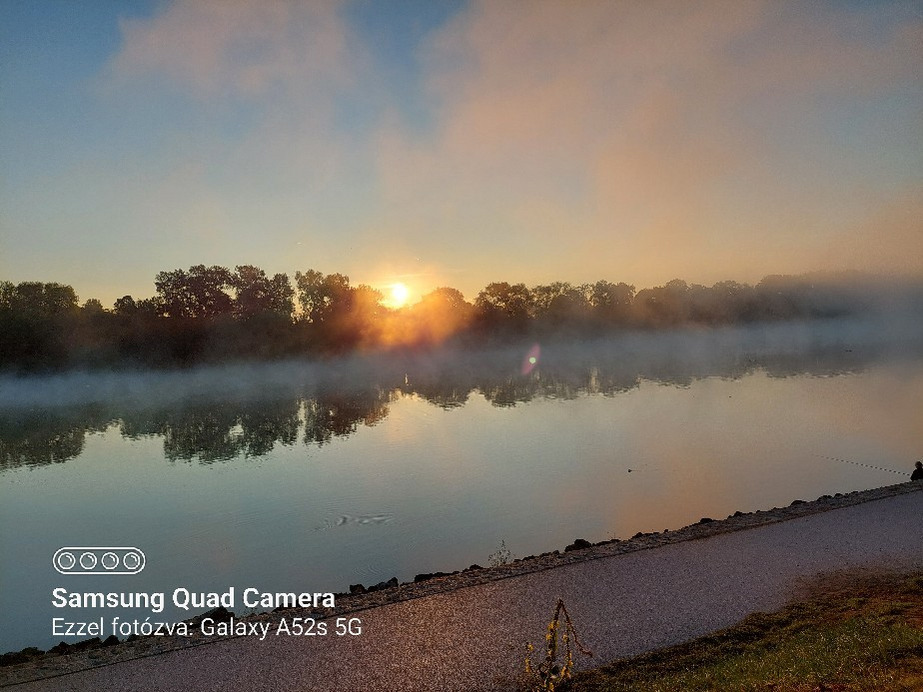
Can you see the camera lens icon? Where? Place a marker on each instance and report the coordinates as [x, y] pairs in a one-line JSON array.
[[99, 560], [133, 560]]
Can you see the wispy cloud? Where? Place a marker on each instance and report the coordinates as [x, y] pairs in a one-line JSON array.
[[240, 48], [653, 138]]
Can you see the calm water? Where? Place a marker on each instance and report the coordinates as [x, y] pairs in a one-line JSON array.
[[297, 477]]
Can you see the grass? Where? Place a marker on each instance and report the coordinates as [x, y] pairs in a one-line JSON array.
[[851, 631]]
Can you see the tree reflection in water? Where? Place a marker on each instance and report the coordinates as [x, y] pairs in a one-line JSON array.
[[213, 428]]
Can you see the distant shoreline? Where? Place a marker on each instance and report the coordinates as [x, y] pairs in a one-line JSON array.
[[212, 315]]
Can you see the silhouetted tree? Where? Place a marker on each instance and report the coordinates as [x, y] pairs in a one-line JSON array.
[[612, 303], [93, 306], [124, 306], [663, 306], [356, 321], [257, 294], [436, 317], [320, 296], [200, 292], [36, 320], [503, 305], [37, 298], [560, 304]]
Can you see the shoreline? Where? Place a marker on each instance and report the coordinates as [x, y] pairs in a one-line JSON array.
[[51, 665]]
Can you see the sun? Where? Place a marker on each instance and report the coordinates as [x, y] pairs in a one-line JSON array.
[[399, 295]]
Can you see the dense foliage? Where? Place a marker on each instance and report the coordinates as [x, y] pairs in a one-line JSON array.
[[209, 314]]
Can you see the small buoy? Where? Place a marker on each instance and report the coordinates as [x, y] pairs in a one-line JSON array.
[[629, 470]]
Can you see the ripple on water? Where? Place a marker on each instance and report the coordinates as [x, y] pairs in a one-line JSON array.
[[355, 520]]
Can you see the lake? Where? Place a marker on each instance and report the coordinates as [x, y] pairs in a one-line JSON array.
[[302, 476]]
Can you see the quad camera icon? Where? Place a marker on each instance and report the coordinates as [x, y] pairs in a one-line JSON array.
[[99, 560]]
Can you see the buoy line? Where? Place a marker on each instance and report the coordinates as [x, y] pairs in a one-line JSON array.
[[868, 466]]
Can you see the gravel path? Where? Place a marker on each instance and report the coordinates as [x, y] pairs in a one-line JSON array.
[[473, 638]]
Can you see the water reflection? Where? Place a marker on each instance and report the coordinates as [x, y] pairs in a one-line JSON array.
[[47, 437], [214, 430], [250, 421], [333, 414]]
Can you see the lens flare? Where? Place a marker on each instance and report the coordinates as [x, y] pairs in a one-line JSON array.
[[531, 359]]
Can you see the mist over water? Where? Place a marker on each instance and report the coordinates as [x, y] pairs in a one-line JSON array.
[[303, 476], [219, 412], [672, 355]]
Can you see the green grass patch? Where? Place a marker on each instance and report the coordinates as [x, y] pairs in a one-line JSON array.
[[849, 632]]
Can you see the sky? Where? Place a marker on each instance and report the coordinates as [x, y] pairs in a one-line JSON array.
[[459, 143]]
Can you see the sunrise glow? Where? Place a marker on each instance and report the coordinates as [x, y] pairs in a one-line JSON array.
[[454, 144], [398, 295]]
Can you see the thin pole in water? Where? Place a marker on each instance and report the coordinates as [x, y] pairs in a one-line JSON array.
[[868, 466]]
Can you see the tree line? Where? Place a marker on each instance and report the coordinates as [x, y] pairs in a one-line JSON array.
[[209, 314]]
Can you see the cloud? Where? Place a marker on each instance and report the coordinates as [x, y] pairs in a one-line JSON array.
[[655, 139], [238, 47], [252, 92], [246, 154], [627, 141]]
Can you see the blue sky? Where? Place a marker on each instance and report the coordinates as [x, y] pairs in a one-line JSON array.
[[459, 143]]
